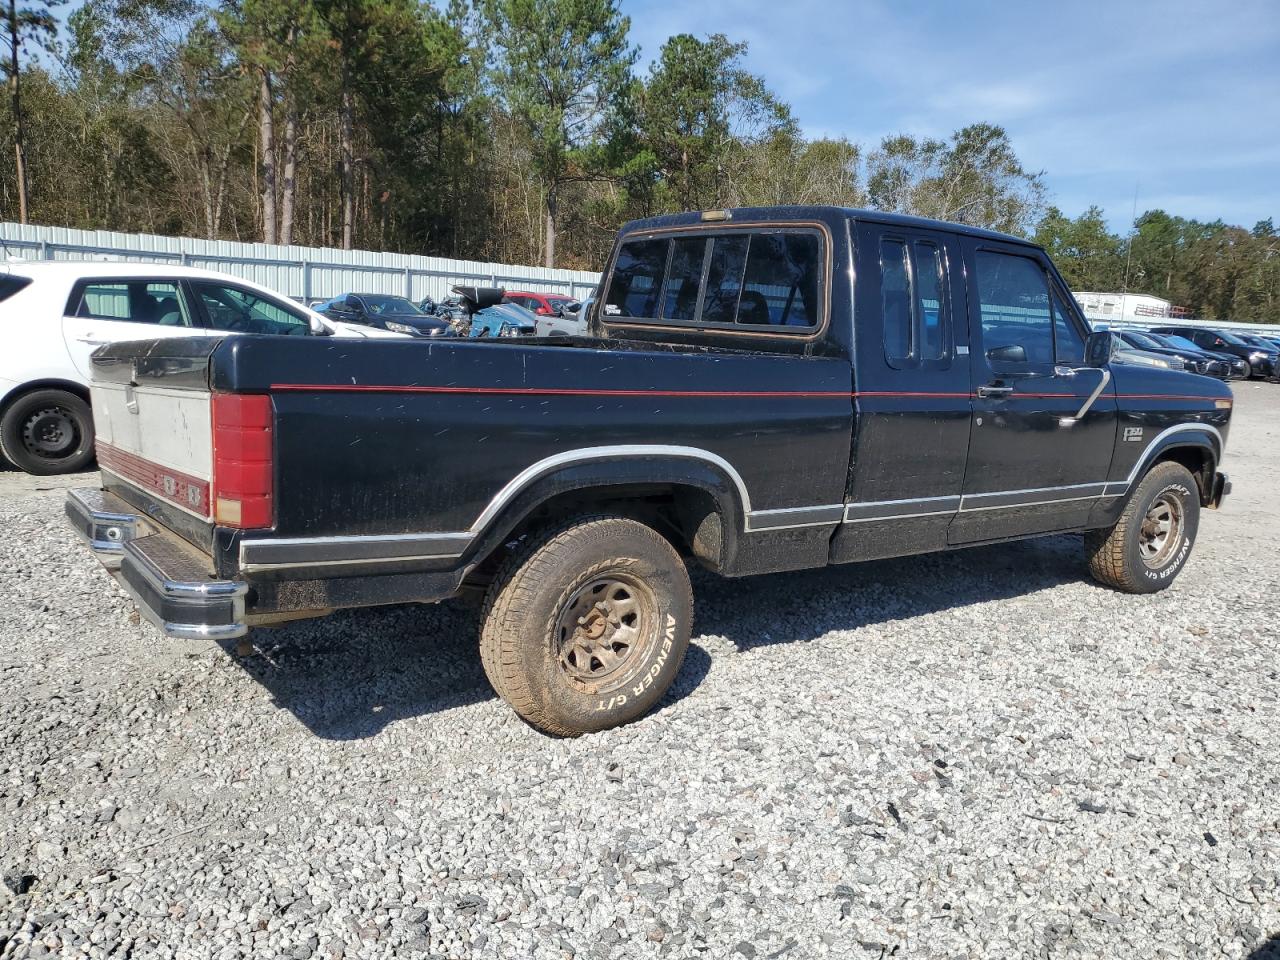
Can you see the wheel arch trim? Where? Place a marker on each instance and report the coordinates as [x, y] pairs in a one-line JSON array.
[[275, 553], [1210, 438]]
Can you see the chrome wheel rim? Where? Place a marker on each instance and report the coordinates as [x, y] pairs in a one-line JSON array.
[[1161, 530], [604, 631]]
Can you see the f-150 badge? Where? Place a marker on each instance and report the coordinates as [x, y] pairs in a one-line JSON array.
[[1133, 433]]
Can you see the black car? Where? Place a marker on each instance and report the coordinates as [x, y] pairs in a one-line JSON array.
[[396, 314], [1237, 369], [764, 390], [1194, 360], [1262, 362]]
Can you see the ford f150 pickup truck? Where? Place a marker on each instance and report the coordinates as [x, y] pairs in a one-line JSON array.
[[764, 390]]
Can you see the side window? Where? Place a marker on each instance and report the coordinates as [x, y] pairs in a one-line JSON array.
[[242, 311], [1068, 347], [913, 299], [684, 278], [637, 279], [895, 300], [1014, 301], [930, 300], [133, 301]]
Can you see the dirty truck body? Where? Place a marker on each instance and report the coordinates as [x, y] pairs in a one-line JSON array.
[[768, 390]]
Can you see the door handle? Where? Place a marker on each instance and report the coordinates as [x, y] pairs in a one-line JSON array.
[[91, 341], [989, 391]]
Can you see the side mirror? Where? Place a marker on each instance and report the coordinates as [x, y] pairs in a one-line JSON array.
[[320, 329], [1100, 348], [1013, 353]]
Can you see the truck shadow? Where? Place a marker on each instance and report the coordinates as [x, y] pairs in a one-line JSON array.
[[348, 676]]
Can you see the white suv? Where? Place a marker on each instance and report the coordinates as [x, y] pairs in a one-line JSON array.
[[53, 315]]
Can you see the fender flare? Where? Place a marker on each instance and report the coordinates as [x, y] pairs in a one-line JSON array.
[[1199, 435], [600, 468]]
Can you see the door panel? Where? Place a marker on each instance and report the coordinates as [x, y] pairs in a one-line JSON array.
[[912, 394], [1033, 466]]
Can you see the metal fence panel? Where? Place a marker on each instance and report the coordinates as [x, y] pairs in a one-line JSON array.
[[305, 273]]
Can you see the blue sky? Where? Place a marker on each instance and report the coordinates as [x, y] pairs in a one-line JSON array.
[[1178, 99]]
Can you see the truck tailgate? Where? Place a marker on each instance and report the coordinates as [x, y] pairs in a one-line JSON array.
[[152, 413]]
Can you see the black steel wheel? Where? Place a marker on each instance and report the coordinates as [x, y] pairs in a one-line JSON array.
[[47, 432]]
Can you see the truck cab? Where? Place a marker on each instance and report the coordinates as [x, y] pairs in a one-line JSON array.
[[763, 390]]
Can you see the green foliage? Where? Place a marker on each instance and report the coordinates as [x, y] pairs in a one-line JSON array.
[[509, 130]]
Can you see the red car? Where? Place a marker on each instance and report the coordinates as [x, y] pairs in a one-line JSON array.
[[543, 304]]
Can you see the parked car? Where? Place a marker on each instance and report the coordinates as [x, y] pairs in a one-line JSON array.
[[1192, 360], [774, 389], [572, 321], [1237, 369], [53, 315], [503, 320], [542, 304], [1262, 362], [385, 312]]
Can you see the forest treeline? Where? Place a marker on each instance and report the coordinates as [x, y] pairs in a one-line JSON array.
[[520, 131]]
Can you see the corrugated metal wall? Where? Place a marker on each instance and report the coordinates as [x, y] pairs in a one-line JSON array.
[[306, 273]]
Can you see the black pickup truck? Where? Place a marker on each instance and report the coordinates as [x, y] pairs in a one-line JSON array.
[[765, 390]]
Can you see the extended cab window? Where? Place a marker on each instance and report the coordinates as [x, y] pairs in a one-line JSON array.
[[133, 301], [721, 280], [913, 300], [1014, 300]]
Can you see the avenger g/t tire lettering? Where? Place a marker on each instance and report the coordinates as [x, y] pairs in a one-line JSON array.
[[585, 626], [1150, 543]]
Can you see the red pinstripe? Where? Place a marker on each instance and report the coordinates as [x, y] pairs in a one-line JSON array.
[[700, 394]]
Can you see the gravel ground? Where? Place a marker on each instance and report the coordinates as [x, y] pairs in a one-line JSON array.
[[977, 754]]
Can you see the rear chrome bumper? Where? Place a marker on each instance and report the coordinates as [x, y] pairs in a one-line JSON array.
[[166, 577]]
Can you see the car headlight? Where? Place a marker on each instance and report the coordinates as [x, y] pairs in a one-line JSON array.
[[1163, 364], [1257, 355], [400, 327]]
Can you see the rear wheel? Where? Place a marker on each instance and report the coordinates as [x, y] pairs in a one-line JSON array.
[[585, 626], [47, 432], [1152, 540]]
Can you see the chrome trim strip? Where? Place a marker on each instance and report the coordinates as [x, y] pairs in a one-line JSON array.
[[886, 509], [901, 516], [285, 552], [791, 518], [1030, 496], [1176, 428], [454, 543]]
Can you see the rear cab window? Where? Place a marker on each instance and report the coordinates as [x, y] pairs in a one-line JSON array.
[[747, 279]]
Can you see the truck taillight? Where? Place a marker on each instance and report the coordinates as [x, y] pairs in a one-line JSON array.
[[243, 470]]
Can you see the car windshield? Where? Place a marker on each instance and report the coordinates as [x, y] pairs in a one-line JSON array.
[[1181, 343], [1230, 338], [378, 305], [1143, 341]]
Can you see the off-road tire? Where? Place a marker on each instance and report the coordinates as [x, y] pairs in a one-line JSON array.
[[1115, 554], [15, 444], [546, 580]]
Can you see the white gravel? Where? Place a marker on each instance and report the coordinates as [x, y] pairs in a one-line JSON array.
[[977, 754]]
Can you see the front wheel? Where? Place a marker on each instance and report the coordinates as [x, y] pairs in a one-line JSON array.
[[47, 432], [585, 626], [1150, 543]]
